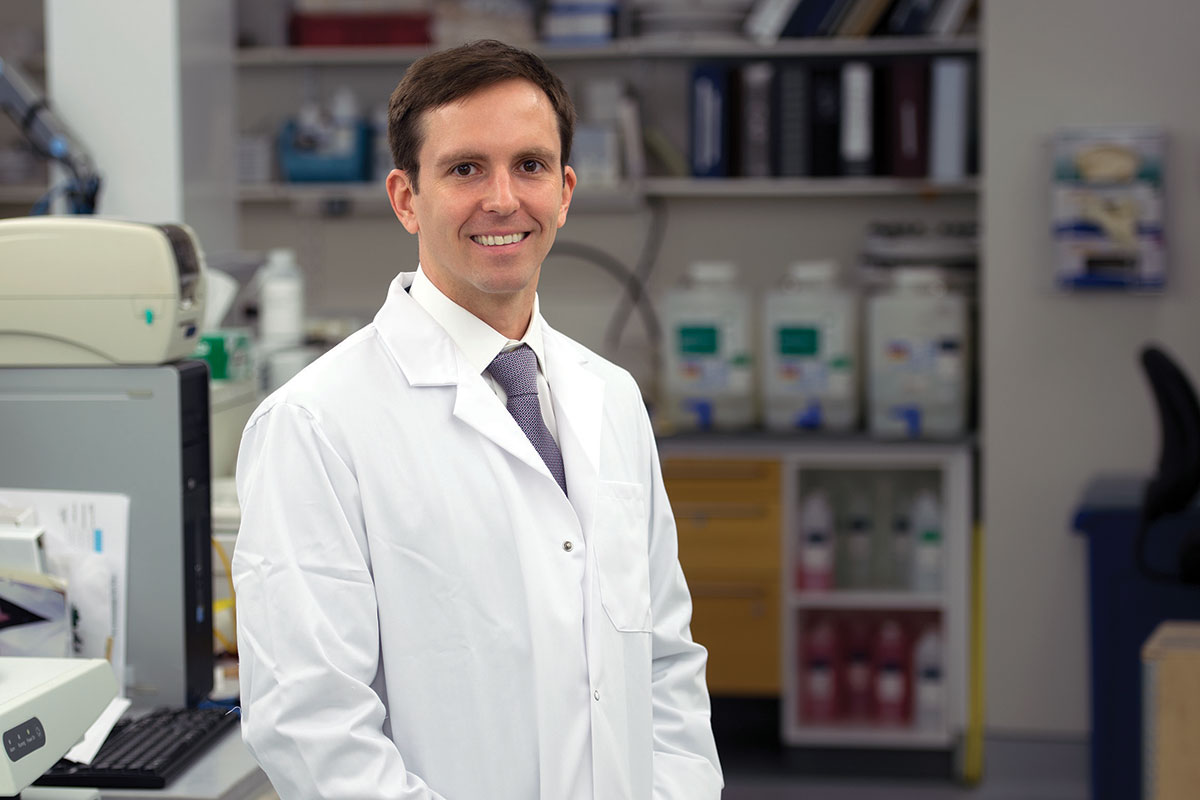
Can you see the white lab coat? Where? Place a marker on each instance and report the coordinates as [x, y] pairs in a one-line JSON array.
[[399, 602]]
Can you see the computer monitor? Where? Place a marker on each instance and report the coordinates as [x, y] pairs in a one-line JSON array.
[[142, 431]]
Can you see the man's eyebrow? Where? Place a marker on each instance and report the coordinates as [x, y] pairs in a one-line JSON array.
[[449, 160]]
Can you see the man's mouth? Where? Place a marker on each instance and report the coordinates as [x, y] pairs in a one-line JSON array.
[[493, 241]]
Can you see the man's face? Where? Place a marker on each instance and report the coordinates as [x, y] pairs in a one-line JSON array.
[[493, 194]]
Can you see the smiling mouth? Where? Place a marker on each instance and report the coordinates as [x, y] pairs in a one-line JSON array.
[[493, 241]]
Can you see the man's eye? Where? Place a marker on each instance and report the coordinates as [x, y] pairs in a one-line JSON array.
[[531, 165], [463, 170]]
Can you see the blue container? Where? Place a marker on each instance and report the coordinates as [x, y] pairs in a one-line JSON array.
[[299, 165], [1125, 609]]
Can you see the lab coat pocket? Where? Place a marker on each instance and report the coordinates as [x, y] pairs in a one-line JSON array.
[[622, 558]]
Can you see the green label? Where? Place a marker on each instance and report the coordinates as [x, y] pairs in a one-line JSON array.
[[698, 340], [799, 341]]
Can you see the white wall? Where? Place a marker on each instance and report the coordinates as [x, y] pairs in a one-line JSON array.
[[146, 87], [1063, 396]]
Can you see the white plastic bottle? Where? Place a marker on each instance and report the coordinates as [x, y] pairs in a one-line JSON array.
[[859, 533], [929, 702], [809, 351], [346, 118], [928, 556], [917, 356], [281, 302], [707, 351], [814, 557], [900, 540]]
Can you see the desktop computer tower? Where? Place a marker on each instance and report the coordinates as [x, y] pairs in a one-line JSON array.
[[142, 431]]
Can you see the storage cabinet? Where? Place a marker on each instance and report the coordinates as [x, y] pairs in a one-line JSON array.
[[728, 515], [739, 504]]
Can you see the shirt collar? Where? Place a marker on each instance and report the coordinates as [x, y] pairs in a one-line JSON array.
[[478, 341]]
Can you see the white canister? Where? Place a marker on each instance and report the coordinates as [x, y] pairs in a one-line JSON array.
[[707, 350], [810, 351], [917, 356]]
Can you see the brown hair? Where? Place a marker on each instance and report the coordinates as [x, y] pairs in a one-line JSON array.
[[448, 75]]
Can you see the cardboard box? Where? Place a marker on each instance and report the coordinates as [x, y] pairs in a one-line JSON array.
[[1171, 712]]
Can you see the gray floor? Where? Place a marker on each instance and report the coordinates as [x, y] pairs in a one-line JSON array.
[[757, 768]]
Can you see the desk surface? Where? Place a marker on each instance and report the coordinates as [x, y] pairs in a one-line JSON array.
[[225, 772]]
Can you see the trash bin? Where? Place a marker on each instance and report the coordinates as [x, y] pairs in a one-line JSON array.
[[1125, 608]]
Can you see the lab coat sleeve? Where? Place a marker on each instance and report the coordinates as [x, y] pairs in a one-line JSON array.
[[685, 754], [308, 629]]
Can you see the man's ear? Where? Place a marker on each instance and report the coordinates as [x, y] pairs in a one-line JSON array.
[[400, 193], [569, 179]]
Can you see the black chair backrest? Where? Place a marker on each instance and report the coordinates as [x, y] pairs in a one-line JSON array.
[[1177, 481]]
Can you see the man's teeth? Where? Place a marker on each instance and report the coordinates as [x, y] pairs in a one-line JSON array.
[[511, 238]]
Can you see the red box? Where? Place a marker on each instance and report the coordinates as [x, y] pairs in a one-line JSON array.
[[352, 30]]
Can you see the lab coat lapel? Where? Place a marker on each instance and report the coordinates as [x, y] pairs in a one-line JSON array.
[[428, 356], [578, 409]]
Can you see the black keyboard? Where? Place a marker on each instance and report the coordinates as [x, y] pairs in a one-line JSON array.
[[145, 752]]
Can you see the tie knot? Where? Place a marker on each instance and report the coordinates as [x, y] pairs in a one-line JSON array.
[[515, 371]]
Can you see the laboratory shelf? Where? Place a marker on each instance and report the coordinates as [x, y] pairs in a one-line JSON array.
[[707, 188], [622, 49], [869, 600], [870, 736]]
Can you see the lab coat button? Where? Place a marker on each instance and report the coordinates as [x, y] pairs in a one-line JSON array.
[[568, 546], [596, 694]]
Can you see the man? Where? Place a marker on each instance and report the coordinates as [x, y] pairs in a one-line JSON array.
[[457, 573]]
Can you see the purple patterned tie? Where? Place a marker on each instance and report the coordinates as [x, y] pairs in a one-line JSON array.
[[516, 372]]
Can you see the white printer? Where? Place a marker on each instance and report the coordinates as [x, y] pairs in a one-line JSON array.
[[79, 290]]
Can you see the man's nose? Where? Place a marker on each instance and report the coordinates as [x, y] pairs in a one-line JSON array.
[[501, 195]]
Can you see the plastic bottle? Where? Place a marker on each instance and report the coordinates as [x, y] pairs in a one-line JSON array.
[[858, 671], [707, 355], [814, 567], [346, 118], [281, 302], [809, 351], [917, 356], [892, 674], [929, 704], [858, 533], [900, 540], [927, 561], [819, 695], [381, 150]]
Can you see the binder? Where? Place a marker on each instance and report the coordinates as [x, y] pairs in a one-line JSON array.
[[949, 89], [856, 146], [793, 99], [825, 111], [709, 121], [755, 146], [907, 125]]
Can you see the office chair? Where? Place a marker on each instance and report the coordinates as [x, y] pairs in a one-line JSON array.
[[1177, 480]]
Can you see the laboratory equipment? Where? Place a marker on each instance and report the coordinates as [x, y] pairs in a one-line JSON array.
[[49, 138], [86, 291], [46, 705], [142, 431]]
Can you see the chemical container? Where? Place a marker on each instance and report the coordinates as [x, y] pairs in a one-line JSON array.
[[917, 356], [810, 351], [707, 351]]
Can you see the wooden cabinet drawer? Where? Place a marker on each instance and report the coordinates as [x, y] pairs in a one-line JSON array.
[[733, 535], [739, 624], [701, 479]]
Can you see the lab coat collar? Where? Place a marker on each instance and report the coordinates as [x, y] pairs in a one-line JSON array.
[[428, 357]]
